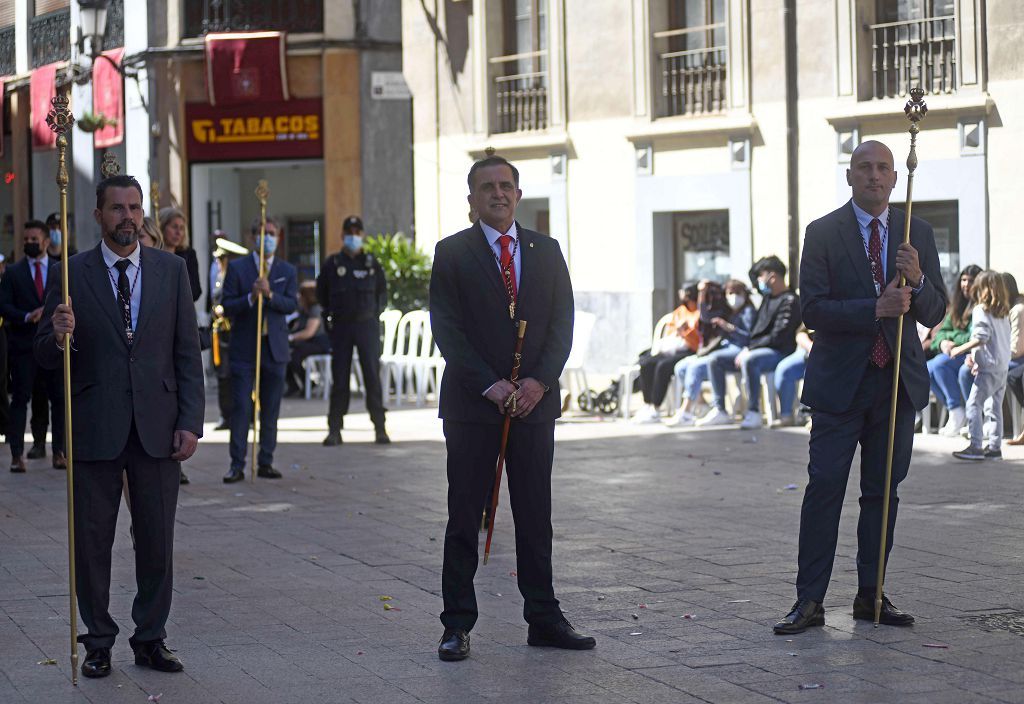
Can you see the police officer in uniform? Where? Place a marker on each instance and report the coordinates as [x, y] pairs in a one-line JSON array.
[[352, 291]]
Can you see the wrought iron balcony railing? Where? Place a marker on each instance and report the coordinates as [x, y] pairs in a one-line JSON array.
[[914, 52], [521, 102], [693, 81], [50, 38], [7, 57], [295, 16]]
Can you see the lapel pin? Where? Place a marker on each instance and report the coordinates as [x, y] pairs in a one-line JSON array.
[[531, 245]]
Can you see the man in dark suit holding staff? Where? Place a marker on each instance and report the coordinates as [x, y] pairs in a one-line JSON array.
[[137, 403], [485, 279], [850, 296]]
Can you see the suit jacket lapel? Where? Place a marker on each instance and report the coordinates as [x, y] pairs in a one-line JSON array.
[[896, 223], [99, 284], [849, 233], [527, 270], [485, 257], [151, 279]]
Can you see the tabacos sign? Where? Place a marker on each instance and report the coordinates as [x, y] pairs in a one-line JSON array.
[[289, 129]]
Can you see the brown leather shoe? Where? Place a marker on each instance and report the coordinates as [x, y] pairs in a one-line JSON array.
[[18, 465], [60, 461]]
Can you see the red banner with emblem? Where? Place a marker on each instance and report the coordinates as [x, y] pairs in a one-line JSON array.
[[42, 90], [108, 98], [285, 130], [246, 67]]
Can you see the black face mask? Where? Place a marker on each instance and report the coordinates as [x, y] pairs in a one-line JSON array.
[[32, 249]]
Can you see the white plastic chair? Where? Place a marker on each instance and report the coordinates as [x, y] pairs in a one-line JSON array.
[[317, 372], [627, 374], [575, 373], [408, 350]]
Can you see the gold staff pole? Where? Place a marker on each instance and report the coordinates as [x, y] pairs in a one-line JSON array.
[[915, 110], [154, 199], [262, 192], [60, 120]]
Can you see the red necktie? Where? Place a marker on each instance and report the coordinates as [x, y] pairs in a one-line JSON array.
[[508, 266], [880, 354], [39, 280]]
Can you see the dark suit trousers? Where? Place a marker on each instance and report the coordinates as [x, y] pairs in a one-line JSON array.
[[365, 337], [243, 376], [5, 399], [153, 489], [834, 439], [472, 456], [24, 371], [41, 409]]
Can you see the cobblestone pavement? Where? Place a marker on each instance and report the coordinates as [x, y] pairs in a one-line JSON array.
[[676, 549]]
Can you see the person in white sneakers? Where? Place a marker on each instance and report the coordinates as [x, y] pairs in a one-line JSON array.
[[943, 367], [728, 333], [772, 338]]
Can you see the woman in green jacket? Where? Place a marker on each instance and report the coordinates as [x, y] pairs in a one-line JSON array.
[[954, 331]]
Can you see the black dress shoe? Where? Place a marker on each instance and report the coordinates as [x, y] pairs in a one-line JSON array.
[[268, 472], [96, 663], [157, 656], [182, 479], [222, 425], [234, 475], [18, 465], [37, 452], [805, 614], [864, 610], [454, 645], [381, 437], [333, 439], [59, 461], [559, 635]]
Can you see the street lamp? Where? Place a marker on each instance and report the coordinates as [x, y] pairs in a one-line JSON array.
[[93, 25]]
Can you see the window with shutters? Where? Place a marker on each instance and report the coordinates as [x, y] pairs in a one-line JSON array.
[[914, 43], [520, 78], [692, 54], [7, 55]]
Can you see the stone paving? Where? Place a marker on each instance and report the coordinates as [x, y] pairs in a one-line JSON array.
[[676, 549]]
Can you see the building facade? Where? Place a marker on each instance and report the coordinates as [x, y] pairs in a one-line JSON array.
[[662, 141], [335, 141]]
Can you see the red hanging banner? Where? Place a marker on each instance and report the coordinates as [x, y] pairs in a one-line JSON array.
[[108, 98], [42, 90], [246, 67]]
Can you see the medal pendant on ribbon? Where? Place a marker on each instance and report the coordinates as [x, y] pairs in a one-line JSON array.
[[130, 334], [512, 310]]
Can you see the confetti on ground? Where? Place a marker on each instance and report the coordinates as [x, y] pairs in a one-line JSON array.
[[155, 697], [641, 606], [601, 598], [384, 597], [47, 661], [935, 645], [791, 654], [497, 593], [636, 617], [739, 601], [813, 685], [636, 633], [689, 616], [389, 607], [791, 487]]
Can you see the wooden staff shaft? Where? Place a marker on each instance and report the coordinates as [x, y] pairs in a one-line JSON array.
[[517, 358]]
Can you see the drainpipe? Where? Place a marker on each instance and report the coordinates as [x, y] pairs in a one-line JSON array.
[[792, 141]]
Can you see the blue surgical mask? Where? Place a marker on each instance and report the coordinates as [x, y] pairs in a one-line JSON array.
[[55, 237], [353, 243], [269, 245], [764, 287]]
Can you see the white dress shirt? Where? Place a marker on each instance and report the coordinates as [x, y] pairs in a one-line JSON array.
[[864, 219], [492, 239], [110, 258]]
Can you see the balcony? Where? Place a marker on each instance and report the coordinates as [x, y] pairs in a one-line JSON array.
[[7, 57], [693, 82], [294, 16], [50, 38], [914, 52], [521, 97]]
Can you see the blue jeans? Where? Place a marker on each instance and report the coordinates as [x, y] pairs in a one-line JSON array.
[[942, 371], [965, 380], [693, 371], [789, 371], [718, 364], [758, 362]]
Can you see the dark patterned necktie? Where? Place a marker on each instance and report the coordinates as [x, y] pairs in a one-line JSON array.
[[880, 354], [124, 294]]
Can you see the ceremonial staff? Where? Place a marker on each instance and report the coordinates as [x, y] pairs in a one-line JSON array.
[[915, 111], [510, 407], [262, 192], [60, 121]]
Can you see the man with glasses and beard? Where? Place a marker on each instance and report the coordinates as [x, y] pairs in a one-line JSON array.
[[137, 403]]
